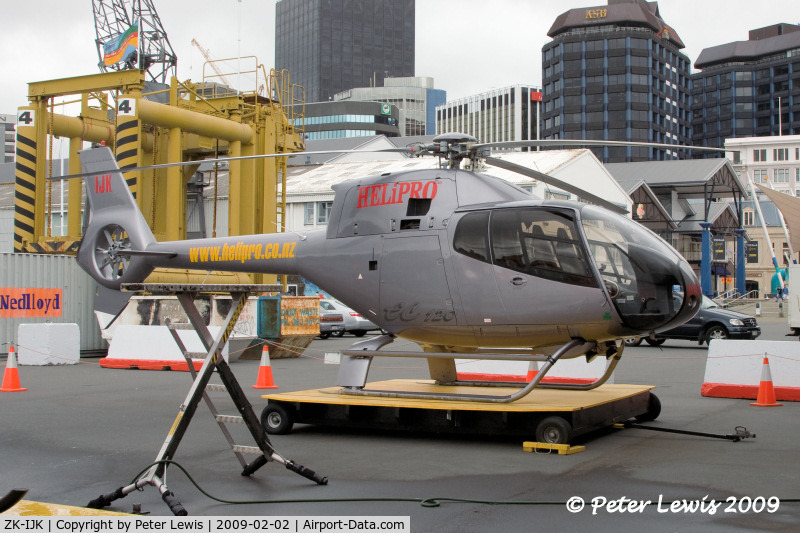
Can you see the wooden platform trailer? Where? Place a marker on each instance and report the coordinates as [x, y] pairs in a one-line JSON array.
[[553, 416]]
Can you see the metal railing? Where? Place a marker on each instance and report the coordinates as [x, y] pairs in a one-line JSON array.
[[730, 294], [736, 299]]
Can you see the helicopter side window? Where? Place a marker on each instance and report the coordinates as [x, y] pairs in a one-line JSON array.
[[540, 242], [471, 236]]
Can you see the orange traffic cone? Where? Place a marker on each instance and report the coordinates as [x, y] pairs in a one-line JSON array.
[[766, 393], [11, 375], [533, 369], [264, 380]]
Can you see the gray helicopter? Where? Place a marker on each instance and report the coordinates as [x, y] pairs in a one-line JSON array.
[[462, 263]]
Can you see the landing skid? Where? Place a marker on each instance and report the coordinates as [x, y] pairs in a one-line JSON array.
[[356, 362]]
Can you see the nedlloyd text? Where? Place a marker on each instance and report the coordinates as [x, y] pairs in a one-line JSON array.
[[18, 302]]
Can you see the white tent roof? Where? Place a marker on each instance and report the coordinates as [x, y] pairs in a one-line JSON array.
[[578, 167]]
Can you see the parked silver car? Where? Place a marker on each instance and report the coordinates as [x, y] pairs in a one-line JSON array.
[[354, 322], [331, 320]]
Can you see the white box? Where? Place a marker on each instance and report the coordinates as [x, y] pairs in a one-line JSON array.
[[48, 344]]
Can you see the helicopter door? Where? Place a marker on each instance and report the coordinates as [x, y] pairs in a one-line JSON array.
[[539, 257], [413, 287], [477, 289]]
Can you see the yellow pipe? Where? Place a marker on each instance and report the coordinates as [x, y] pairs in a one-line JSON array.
[[72, 127], [74, 196], [247, 193], [42, 130], [192, 122], [175, 199], [234, 188]]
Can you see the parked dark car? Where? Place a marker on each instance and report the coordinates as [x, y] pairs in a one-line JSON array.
[[710, 322]]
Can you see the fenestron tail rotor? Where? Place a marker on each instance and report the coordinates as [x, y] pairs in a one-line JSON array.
[[109, 248], [117, 234]]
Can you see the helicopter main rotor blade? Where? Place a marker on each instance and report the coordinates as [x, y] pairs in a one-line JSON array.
[[586, 142], [555, 182], [222, 159]]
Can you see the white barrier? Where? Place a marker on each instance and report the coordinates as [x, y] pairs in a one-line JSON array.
[[733, 368], [575, 370], [48, 344], [153, 348]]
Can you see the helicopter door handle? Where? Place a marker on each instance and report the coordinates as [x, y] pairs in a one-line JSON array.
[[518, 281]]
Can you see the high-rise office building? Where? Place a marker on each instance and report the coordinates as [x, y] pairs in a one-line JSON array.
[[617, 72], [505, 114], [748, 88], [330, 46], [8, 126]]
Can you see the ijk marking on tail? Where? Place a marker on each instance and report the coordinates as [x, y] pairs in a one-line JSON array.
[[102, 184]]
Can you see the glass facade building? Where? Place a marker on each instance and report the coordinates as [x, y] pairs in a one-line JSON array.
[[415, 98], [749, 88], [617, 73], [337, 120], [329, 46]]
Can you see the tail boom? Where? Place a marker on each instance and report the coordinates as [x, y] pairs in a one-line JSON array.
[[274, 253], [119, 247]]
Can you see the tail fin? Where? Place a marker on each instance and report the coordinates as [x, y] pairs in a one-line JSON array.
[[116, 230]]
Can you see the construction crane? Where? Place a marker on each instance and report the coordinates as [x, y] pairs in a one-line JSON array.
[[211, 63], [115, 25]]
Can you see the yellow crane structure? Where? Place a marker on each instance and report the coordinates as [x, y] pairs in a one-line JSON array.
[[212, 64], [173, 123]]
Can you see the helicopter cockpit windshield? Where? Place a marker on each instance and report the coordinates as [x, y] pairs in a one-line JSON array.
[[639, 270]]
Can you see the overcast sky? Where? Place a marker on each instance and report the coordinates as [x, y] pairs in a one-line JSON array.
[[467, 46]]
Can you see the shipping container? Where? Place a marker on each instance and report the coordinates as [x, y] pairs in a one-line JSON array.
[[72, 292]]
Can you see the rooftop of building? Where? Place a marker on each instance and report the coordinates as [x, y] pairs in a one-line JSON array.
[[689, 177], [625, 13], [495, 91], [762, 42]]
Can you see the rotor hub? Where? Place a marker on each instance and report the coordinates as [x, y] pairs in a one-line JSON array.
[[452, 146]]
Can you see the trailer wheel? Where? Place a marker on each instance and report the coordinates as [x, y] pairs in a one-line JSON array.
[[276, 420], [653, 409], [554, 430]]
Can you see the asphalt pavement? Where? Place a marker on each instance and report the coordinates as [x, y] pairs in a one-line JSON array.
[[81, 430]]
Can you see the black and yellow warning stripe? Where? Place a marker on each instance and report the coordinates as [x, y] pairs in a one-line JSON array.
[[127, 149], [25, 189], [67, 247]]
